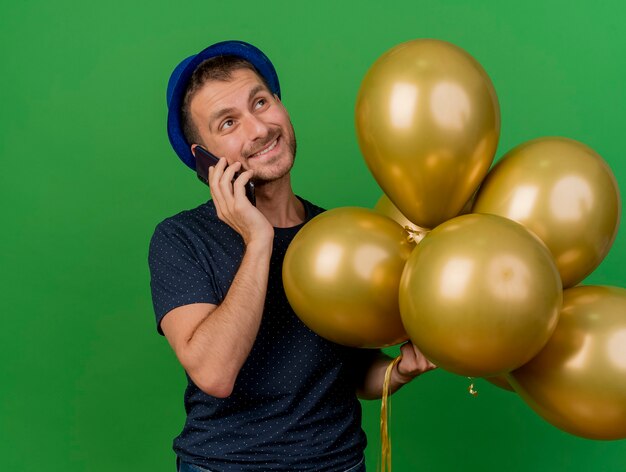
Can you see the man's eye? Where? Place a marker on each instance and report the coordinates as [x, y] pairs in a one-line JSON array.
[[261, 102], [227, 124]]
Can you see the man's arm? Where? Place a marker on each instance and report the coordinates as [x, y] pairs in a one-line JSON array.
[[412, 365], [213, 342]]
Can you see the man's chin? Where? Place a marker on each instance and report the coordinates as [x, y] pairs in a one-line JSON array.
[[264, 175], [262, 179]]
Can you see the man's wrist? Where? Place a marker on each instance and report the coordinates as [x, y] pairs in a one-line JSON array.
[[260, 245]]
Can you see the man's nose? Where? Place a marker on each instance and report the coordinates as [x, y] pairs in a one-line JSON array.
[[256, 128]]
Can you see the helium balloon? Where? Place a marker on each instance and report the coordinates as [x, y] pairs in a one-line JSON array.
[[480, 295], [428, 123], [341, 275], [565, 193], [578, 380], [500, 381], [385, 207]]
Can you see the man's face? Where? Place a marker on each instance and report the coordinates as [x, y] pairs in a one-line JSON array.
[[242, 121]]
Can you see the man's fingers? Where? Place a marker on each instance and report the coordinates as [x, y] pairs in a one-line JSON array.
[[229, 173], [221, 176], [408, 351], [229, 196], [413, 361], [226, 185], [239, 187], [418, 354], [216, 172], [215, 192]]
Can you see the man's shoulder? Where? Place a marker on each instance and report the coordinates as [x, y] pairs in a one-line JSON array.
[[201, 215], [187, 225]]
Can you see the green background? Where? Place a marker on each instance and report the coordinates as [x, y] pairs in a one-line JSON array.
[[87, 172]]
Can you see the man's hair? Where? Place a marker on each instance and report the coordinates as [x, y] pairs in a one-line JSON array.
[[215, 68]]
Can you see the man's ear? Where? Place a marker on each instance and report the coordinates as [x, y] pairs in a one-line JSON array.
[[277, 97], [193, 149]]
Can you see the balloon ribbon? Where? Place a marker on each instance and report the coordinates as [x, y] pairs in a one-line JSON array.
[[385, 412], [470, 389]]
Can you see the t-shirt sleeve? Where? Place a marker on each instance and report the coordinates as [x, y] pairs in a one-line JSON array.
[[176, 276], [359, 361]]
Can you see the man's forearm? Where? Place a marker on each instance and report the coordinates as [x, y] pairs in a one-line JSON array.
[[220, 344]]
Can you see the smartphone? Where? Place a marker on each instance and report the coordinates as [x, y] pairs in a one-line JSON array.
[[204, 160]]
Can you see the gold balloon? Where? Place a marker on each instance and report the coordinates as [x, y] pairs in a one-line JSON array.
[[562, 191], [428, 123], [341, 275], [385, 207], [578, 381], [480, 295], [500, 381]]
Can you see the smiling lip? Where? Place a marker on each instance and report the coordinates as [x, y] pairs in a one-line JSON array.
[[268, 149]]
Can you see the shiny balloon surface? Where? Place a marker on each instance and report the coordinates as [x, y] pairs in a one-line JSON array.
[[578, 381], [500, 381], [480, 295], [384, 206], [428, 123], [341, 275], [565, 193]]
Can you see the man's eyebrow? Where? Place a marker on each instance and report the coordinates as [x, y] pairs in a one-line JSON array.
[[218, 114], [258, 88], [227, 111]]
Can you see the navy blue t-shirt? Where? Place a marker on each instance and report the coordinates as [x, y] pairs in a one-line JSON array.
[[294, 405]]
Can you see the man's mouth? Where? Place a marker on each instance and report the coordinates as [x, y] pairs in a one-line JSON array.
[[266, 149]]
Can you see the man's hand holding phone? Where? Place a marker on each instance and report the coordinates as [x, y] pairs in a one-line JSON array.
[[206, 159], [233, 206]]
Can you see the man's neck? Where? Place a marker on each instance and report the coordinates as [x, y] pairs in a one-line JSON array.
[[279, 204]]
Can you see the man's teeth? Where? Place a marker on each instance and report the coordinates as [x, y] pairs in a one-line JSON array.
[[266, 150]]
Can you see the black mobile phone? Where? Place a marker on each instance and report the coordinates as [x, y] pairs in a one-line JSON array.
[[204, 160]]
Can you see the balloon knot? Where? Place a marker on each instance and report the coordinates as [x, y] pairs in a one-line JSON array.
[[415, 235]]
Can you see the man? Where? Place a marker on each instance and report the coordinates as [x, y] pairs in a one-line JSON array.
[[264, 392]]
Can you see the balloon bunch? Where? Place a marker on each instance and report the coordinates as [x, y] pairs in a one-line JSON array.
[[475, 277]]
